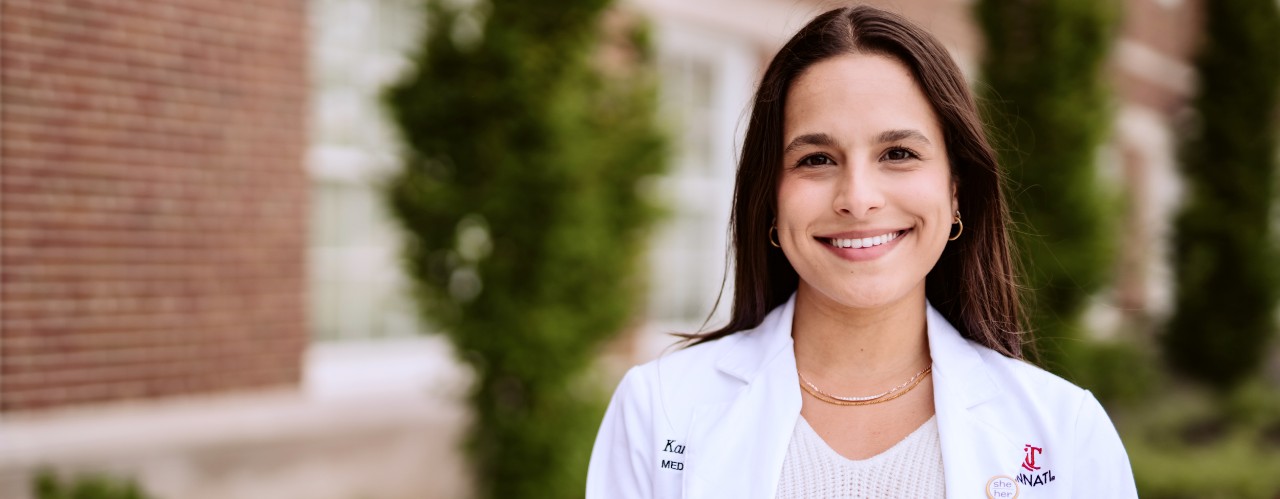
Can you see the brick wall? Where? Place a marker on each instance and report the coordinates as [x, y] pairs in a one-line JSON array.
[[153, 198]]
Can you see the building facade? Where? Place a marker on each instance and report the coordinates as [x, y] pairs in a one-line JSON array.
[[199, 286]]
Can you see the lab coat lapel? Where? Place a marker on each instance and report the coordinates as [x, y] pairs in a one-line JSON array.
[[967, 401], [736, 448]]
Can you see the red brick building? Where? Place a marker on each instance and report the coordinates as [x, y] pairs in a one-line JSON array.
[[153, 198], [156, 205]]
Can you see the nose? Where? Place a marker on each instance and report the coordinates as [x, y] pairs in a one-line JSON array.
[[857, 193]]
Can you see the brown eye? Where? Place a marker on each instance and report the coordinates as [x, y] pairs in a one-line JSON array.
[[898, 154], [816, 160]]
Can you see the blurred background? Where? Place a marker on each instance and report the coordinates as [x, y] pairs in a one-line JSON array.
[[285, 248]]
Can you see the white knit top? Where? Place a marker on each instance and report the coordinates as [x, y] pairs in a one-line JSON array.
[[911, 468]]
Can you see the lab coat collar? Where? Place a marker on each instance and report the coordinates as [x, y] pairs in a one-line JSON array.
[[755, 347], [968, 402], [957, 365], [736, 448]]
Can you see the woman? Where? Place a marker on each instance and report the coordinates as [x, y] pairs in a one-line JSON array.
[[874, 346]]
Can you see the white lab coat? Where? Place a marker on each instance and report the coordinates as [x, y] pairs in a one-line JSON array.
[[714, 421]]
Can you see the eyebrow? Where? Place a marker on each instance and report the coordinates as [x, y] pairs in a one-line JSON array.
[[824, 140], [900, 135], [810, 139]]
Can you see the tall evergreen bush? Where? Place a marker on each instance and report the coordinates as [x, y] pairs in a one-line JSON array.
[[46, 484], [1043, 96], [1225, 260], [525, 225]]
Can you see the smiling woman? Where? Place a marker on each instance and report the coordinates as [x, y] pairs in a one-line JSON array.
[[873, 176], [874, 347]]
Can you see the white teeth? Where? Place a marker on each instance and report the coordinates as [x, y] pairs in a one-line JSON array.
[[865, 242]]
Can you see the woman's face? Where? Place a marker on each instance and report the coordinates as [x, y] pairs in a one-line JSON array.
[[865, 197]]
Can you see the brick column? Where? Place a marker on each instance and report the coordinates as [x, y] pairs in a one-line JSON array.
[[153, 198]]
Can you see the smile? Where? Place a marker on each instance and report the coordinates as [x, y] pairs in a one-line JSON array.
[[865, 242]]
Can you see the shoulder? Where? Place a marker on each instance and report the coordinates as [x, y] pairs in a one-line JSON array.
[[1013, 391], [684, 377], [1051, 408], [701, 377], [642, 438], [1029, 380], [1066, 424], [1039, 394], [705, 376], [1049, 392]]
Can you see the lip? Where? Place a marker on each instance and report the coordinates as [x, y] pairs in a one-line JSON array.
[[862, 254]]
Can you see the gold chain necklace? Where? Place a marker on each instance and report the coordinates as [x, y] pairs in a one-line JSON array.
[[881, 398]]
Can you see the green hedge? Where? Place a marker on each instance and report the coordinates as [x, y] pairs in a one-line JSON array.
[[47, 485], [525, 225], [1225, 261], [1043, 97], [1189, 443]]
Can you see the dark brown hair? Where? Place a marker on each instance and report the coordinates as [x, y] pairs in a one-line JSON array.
[[973, 283]]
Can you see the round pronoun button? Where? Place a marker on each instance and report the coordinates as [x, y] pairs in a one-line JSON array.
[[1002, 487]]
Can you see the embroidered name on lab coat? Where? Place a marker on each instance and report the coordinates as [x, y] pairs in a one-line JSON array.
[[671, 451], [1035, 477]]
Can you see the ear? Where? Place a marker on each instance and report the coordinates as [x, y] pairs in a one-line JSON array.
[[955, 200]]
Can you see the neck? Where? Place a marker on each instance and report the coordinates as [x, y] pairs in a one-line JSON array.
[[859, 350]]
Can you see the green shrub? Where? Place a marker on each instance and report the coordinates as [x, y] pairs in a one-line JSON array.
[[1225, 260], [525, 226], [1235, 468], [1043, 98], [1119, 372], [46, 485], [1189, 443]]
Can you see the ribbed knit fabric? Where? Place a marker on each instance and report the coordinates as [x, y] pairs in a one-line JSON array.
[[911, 468]]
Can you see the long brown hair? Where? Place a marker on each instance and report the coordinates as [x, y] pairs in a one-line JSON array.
[[973, 283]]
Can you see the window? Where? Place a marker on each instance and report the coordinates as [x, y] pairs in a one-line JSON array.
[[357, 287], [706, 86]]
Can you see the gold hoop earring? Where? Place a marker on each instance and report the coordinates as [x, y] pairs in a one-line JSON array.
[[958, 232], [773, 236]]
